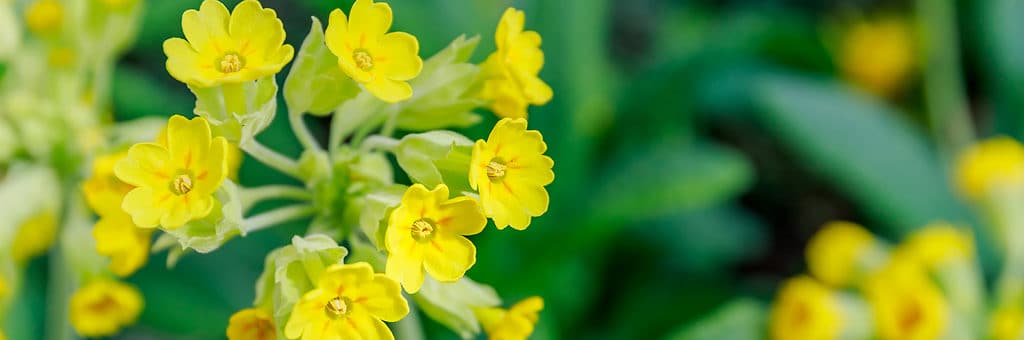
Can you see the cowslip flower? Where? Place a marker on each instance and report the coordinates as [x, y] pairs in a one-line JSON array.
[[234, 155], [990, 164], [937, 244], [174, 183], [516, 323], [103, 190], [44, 17], [512, 82], [426, 233], [127, 246], [251, 324], [841, 252], [878, 56], [101, 308], [905, 303], [1006, 323], [805, 309], [350, 301], [383, 62], [34, 236], [510, 171], [227, 48]]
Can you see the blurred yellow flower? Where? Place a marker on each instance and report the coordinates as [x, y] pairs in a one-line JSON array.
[[516, 323], [878, 56], [118, 238], [512, 70], [119, 4], [510, 171], [174, 183], [906, 304], [936, 244], [5, 288], [251, 324], [425, 233], [992, 163], [805, 309], [34, 236], [383, 62], [103, 190], [350, 301], [101, 308], [1007, 323], [839, 252], [44, 17], [227, 48]]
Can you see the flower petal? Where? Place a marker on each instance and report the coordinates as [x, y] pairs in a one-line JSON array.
[[382, 297], [144, 166], [256, 28], [362, 325], [388, 90], [207, 25], [182, 60], [177, 214], [370, 19], [406, 267], [145, 206], [401, 56], [449, 257], [461, 216], [211, 171], [188, 141]]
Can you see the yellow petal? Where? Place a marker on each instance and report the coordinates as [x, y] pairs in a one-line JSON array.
[[534, 89], [113, 233], [534, 198], [177, 214], [401, 51], [382, 297], [188, 141], [449, 257], [207, 25], [461, 216], [346, 275], [144, 166], [407, 268], [145, 206], [370, 19], [258, 28], [362, 325], [510, 25], [212, 170], [182, 60]]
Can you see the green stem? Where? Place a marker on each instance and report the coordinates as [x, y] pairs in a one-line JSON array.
[[379, 142], [251, 196], [943, 82], [277, 216], [302, 131], [391, 123], [410, 327], [271, 158]]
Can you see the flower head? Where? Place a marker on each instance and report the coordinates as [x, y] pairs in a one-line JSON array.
[[992, 163], [805, 309], [118, 238], [103, 190], [840, 253], [174, 183], [426, 233], [510, 170], [516, 323], [350, 301], [383, 62], [44, 17], [251, 324], [936, 244], [878, 56], [906, 304], [513, 69], [103, 307], [34, 236], [227, 48]]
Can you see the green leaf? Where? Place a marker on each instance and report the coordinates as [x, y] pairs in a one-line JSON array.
[[436, 157], [440, 91], [863, 148], [451, 304], [316, 83], [741, 319], [999, 32]]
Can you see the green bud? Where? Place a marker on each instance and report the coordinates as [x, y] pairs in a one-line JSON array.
[[451, 304], [238, 112], [209, 233], [314, 165], [436, 157], [316, 83], [375, 207], [440, 97]]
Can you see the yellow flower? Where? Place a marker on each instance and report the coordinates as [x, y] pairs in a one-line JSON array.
[[349, 302], [383, 62], [34, 236], [103, 307], [234, 155], [126, 245], [1007, 323], [516, 323], [425, 233], [510, 170], [103, 190], [5, 289], [936, 244], [805, 309], [227, 48], [251, 324], [174, 183], [44, 17], [878, 56], [990, 164], [905, 303], [841, 252], [119, 4], [512, 70]]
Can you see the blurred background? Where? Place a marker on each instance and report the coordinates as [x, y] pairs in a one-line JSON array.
[[698, 145]]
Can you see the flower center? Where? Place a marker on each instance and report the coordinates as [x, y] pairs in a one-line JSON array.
[[338, 307], [181, 185], [423, 229], [363, 59], [496, 169], [230, 63]]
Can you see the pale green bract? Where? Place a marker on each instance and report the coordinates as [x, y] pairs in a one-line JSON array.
[[315, 83]]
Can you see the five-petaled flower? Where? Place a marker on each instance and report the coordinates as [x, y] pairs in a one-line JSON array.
[[103, 307], [174, 182], [350, 301], [510, 171], [426, 233], [251, 324], [512, 71], [516, 323], [227, 48], [383, 62]]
